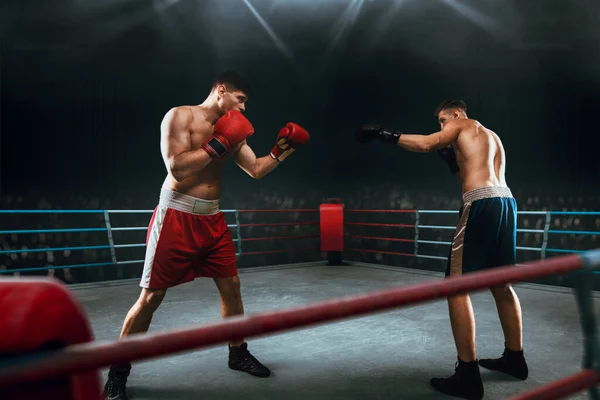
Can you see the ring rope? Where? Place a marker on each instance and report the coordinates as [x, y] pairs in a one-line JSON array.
[[54, 249], [432, 257], [562, 387], [250, 253], [361, 210], [278, 237], [292, 210], [72, 230], [45, 268], [280, 224], [133, 261], [58, 211], [394, 253], [94, 355], [378, 224], [381, 238], [544, 249]]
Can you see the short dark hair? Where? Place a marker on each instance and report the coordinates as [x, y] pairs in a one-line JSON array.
[[449, 105], [233, 80]]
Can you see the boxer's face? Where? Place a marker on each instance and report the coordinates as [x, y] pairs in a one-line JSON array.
[[231, 100], [447, 115]]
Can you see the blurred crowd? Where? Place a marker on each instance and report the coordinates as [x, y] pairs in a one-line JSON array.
[[278, 242]]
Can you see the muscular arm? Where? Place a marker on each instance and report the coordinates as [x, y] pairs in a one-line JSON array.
[[252, 165], [435, 141], [176, 145]]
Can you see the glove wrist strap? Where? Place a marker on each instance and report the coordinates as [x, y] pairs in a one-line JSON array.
[[389, 135], [280, 154], [214, 148]]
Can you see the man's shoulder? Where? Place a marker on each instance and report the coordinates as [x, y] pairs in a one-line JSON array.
[[468, 125], [183, 114], [185, 110], [469, 122]]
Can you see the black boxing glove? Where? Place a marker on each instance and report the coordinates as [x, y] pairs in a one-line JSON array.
[[368, 132], [447, 154]]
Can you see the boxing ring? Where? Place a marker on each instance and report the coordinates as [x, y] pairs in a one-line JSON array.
[[390, 351]]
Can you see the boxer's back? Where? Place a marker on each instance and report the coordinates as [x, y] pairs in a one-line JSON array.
[[206, 183], [480, 156]]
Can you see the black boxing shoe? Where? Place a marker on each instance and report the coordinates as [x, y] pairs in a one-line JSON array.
[[511, 363], [465, 383], [240, 359], [115, 389]]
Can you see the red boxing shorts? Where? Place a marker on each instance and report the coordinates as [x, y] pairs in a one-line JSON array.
[[187, 238]]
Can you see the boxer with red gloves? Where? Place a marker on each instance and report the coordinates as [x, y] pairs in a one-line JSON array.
[[230, 130], [290, 138], [188, 236]]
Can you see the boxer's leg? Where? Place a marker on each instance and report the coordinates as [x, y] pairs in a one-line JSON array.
[[466, 381], [138, 320], [512, 361], [509, 312], [221, 264], [507, 302], [168, 262], [231, 300], [139, 317], [462, 319]]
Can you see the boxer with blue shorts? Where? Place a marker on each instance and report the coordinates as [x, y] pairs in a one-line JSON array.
[[485, 237], [486, 233]]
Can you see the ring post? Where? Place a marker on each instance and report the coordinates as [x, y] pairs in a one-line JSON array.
[[113, 253], [239, 233], [589, 328], [546, 229], [332, 230], [417, 233]]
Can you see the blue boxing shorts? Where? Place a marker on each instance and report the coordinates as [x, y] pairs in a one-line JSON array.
[[486, 234]]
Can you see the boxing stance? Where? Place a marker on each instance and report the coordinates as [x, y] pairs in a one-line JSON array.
[[188, 236], [485, 236]]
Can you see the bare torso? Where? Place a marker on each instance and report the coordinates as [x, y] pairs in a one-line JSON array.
[[480, 157], [206, 183]]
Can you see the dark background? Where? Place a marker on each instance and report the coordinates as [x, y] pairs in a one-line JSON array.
[[84, 86]]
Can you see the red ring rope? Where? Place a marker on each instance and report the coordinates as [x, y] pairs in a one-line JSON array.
[[381, 211], [248, 253], [94, 355], [377, 224], [282, 210], [280, 224], [394, 253], [562, 387], [278, 237], [381, 238]]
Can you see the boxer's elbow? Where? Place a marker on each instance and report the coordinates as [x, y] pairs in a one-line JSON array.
[[428, 145], [260, 169], [257, 173], [176, 171], [253, 171]]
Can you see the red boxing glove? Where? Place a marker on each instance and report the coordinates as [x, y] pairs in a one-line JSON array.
[[41, 315], [230, 130], [290, 138]]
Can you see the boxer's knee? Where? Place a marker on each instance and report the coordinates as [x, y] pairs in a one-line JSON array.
[[229, 288], [150, 299], [502, 292]]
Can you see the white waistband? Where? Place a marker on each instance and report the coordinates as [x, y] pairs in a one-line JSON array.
[[486, 193], [188, 204]]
